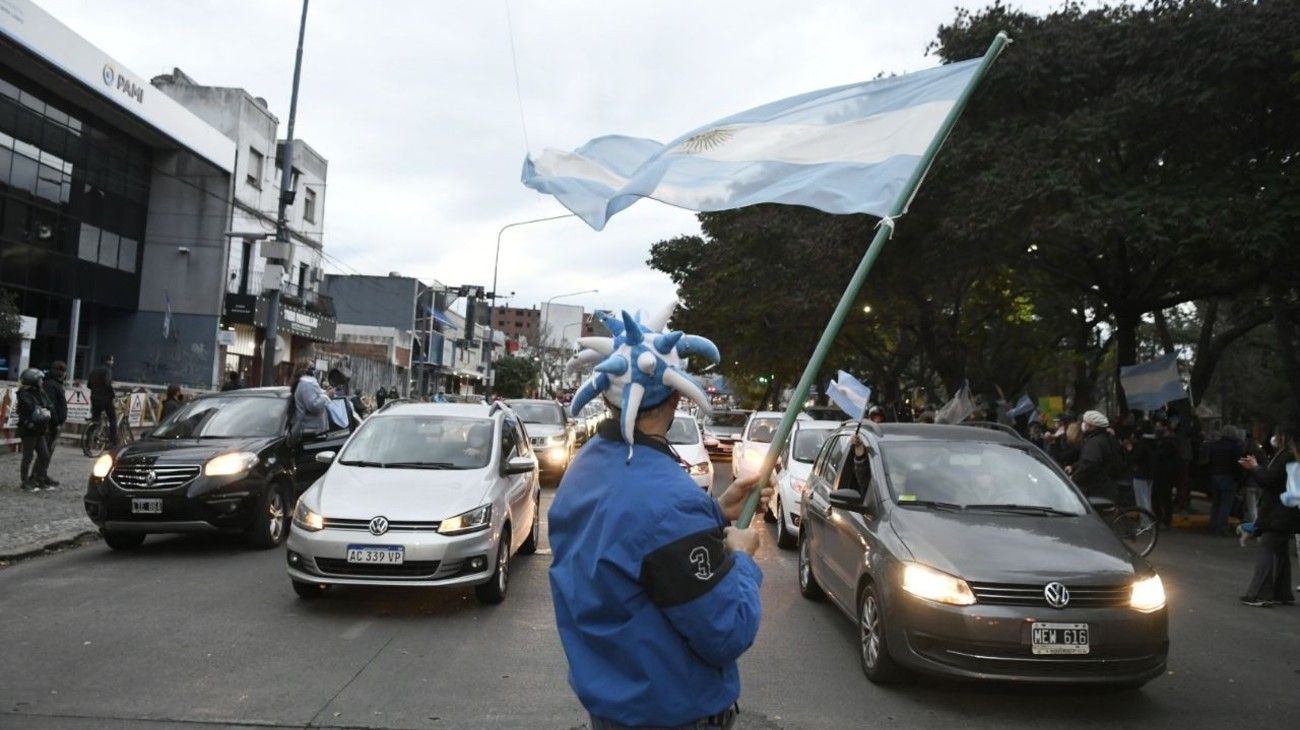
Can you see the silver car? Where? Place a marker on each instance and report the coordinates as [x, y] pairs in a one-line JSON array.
[[423, 494]]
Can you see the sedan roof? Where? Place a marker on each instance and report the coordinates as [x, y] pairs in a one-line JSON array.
[[942, 432], [464, 410]]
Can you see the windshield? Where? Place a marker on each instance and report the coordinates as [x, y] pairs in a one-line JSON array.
[[807, 442], [548, 414], [975, 475], [683, 432], [762, 430], [421, 442], [224, 417], [727, 422]]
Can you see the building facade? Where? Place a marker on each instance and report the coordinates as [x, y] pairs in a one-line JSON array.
[[518, 322]]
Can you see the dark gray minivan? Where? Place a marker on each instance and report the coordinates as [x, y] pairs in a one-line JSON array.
[[968, 553]]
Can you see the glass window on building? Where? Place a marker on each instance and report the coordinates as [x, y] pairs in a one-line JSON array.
[[108, 248], [256, 161], [88, 243], [309, 205], [126, 254]]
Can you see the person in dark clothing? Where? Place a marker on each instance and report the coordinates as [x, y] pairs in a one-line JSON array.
[[173, 401], [1223, 453], [1165, 476], [33, 422], [1100, 464], [232, 381], [1271, 582], [102, 396], [381, 397], [1142, 465], [53, 387]]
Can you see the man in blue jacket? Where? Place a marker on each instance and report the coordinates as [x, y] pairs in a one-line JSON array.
[[656, 596]]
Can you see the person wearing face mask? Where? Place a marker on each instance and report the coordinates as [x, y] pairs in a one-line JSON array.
[[1271, 582]]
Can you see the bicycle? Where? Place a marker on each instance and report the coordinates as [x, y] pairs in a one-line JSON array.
[[95, 437], [1136, 527]]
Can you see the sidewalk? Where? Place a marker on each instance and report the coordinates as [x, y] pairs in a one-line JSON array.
[[30, 523]]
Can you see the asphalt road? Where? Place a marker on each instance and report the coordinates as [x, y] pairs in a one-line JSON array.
[[200, 631]]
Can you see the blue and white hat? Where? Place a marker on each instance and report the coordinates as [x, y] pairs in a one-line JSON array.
[[640, 366]]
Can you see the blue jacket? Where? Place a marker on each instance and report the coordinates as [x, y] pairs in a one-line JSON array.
[[653, 610]]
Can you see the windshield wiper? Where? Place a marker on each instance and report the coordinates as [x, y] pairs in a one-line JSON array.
[[357, 462], [1036, 509], [421, 465], [948, 506]]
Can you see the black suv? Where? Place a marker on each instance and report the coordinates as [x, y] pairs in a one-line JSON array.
[[223, 462]]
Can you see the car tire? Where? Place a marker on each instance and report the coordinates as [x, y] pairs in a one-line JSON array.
[[535, 534], [270, 524], [808, 586], [494, 591], [122, 540], [307, 591], [873, 641], [785, 539]]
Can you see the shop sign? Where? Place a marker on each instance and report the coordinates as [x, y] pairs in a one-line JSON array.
[[241, 308]]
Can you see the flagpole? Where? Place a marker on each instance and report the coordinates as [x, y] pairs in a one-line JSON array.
[[883, 232]]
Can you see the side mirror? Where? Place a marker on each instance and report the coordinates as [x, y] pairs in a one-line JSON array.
[[520, 465], [849, 500], [1101, 504], [325, 457]]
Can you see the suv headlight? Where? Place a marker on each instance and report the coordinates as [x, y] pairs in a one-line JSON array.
[[103, 465], [1148, 595], [228, 465], [305, 519], [479, 518], [932, 585]]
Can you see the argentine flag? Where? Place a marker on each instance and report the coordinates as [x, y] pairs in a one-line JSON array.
[[850, 394], [849, 149]]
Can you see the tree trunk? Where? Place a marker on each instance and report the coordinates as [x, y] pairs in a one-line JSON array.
[[1286, 340], [1126, 330], [1162, 331]]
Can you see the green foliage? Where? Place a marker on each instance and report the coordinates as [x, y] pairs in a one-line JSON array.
[[514, 376], [10, 323]]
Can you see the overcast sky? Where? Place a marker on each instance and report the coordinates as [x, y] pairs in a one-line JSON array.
[[414, 105]]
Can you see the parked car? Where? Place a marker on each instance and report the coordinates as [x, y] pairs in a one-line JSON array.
[[970, 554], [552, 434], [753, 443], [723, 429], [687, 440], [826, 413], [424, 494], [792, 480], [222, 462]]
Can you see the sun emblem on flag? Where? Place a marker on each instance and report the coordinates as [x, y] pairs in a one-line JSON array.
[[707, 140]]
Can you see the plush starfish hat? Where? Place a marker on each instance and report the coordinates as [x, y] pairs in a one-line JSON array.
[[640, 366]]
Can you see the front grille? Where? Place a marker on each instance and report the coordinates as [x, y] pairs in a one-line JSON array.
[[137, 476], [1019, 594], [414, 569], [335, 523]]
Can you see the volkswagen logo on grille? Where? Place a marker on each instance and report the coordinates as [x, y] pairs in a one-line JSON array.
[[150, 478], [1055, 593], [379, 526]]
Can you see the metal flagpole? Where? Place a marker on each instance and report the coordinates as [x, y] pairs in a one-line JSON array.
[[884, 231]]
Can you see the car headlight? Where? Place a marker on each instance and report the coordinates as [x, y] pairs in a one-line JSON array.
[[479, 518], [305, 519], [700, 469], [1148, 595], [230, 464], [800, 485], [103, 465], [558, 439], [932, 585]]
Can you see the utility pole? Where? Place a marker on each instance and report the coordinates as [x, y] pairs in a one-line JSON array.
[[283, 249]]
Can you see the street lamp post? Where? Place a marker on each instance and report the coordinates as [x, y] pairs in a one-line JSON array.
[[492, 297], [546, 314]]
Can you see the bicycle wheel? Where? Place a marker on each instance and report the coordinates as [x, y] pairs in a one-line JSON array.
[[1136, 528], [91, 443]]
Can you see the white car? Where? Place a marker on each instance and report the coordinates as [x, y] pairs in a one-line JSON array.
[[796, 464], [687, 439], [747, 456], [423, 494]]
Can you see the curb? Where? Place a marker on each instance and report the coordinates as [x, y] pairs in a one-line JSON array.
[[32, 550]]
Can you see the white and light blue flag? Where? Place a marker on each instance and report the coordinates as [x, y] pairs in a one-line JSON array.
[[959, 408], [850, 394], [1023, 407], [1150, 385], [848, 149]]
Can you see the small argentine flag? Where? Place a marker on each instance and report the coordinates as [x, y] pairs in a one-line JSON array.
[[850, 394], [849, 149]]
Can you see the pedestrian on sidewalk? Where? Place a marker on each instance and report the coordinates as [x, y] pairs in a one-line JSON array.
[[33, 422], [1142, 465], [172, 402], [53, 387], [1222, 454], [1100, 463], [103, 397], [1277, 523], [1167, 465]]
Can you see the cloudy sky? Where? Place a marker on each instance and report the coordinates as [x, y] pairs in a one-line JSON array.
[[414, 104]]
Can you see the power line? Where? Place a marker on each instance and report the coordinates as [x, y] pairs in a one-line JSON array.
[[514, 64]]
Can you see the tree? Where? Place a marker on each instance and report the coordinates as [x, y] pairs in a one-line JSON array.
[[10, 318], [514, 376]]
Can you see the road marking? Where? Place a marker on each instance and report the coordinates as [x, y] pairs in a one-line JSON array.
[[356, 630]]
